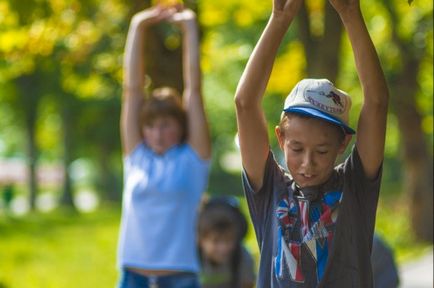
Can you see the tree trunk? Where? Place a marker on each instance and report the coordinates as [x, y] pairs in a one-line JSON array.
[[418, 162], [32, 155], [163, 52], [109, 181], [164, 65], [29, 98], [321, 52], [67, 197]]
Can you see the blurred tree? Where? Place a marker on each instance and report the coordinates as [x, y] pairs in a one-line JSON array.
[[67, 105], [99, 124], [86, 73], [26, 74], [29, 96], [55, 49], [230, 30], [411, 41], [320, 30]]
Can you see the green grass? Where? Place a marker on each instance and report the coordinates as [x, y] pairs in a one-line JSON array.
[[64, 249], [59, 250]]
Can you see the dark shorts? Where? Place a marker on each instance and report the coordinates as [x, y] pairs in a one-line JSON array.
[[130, 279]]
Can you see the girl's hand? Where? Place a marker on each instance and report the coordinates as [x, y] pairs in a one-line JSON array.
[[154, 14], [345, 6], [184, 18], [286, 9]]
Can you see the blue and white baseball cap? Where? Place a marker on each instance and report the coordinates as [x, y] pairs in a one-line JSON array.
[[319, 98]]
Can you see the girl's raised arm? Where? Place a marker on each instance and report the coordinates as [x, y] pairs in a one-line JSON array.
[[198, 133], [134, 75]]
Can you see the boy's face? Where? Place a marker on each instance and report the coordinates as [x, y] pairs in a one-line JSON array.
[[311, 147], [218, 247], [162, 133]]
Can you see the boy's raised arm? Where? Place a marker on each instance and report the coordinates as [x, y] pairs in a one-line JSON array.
[[198, 133], [371, 128], [252, 127]]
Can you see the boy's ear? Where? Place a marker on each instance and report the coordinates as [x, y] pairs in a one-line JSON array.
[[345, 143], [279, 136]]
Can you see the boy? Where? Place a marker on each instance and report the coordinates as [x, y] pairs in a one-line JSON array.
[[314, 225]]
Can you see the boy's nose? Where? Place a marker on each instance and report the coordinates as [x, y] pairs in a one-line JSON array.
[[308, 160]]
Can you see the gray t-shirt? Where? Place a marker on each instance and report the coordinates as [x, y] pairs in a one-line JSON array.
[[316, 237], [212, 276]]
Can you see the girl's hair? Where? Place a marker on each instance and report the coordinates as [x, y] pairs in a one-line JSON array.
[[221, 215], [164, 101]]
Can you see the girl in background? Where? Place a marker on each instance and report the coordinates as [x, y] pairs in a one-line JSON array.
[[166, 148]]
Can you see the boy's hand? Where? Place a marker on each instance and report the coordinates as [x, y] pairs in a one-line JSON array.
[[286, 9], [345, 6]]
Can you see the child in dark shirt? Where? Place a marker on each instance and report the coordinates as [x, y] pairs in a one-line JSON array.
[[224, 259], [314, 223]]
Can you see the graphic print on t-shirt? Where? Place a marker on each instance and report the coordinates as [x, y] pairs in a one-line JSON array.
[[305, 227]]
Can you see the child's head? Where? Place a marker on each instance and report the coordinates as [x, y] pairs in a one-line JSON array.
[[221, 227], [163, 120], [314, 130]]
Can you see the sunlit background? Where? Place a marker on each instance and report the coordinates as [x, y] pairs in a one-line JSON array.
[[60, 89]]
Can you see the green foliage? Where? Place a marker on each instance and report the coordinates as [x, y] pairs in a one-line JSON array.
[[72, 50], [393, 225]]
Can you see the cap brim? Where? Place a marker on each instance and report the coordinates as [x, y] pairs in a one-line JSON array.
[[312, 112]]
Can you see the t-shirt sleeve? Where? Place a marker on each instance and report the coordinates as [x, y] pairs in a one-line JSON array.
[[136, 155], [365, 190], [201, 163], [260, 202]]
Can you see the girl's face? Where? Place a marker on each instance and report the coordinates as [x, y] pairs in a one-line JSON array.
[[217, 247], [311, 147], [162, 133]]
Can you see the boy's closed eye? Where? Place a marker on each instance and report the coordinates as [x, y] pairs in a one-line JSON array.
[[297, 150]]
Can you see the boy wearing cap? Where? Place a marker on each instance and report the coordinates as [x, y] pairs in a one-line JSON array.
[[314, 225]]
